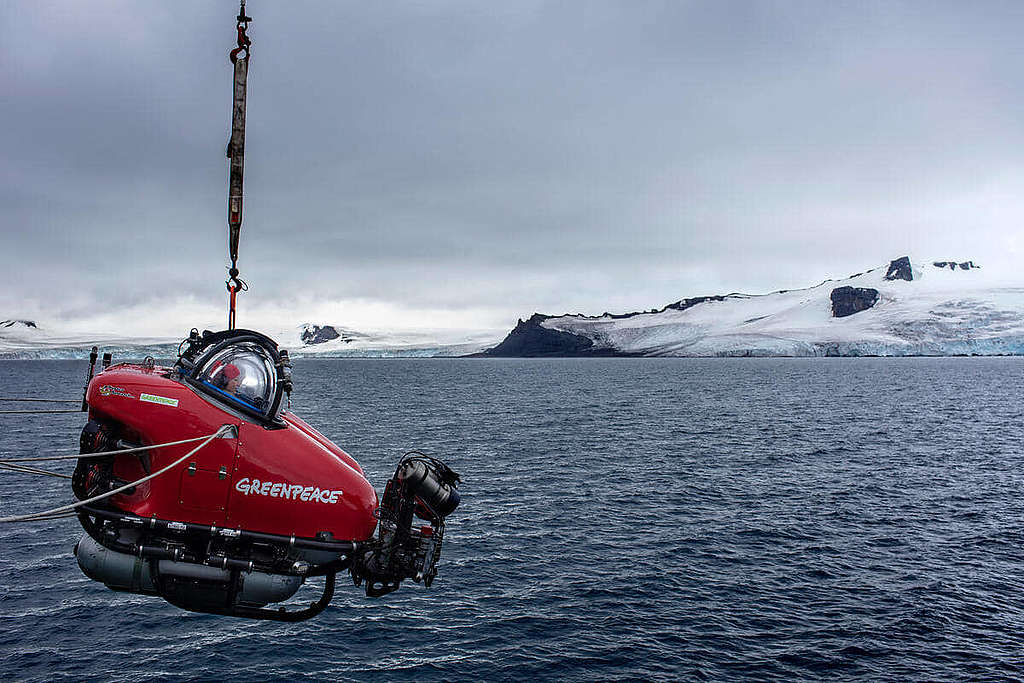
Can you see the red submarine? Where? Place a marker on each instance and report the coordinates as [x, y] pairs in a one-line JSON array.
[[197, 485]]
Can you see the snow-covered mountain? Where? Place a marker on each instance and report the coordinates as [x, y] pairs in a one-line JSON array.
[[935, 307], [926, 307], [29, 339]]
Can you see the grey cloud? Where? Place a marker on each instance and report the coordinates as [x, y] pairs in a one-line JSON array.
[[465, 154]]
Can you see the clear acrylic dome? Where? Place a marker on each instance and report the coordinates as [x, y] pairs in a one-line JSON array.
[[242, 373]]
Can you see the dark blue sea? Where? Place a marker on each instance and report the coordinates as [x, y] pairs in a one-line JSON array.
[[622, 519]]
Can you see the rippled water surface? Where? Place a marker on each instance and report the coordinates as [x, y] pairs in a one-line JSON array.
[[622, 518]]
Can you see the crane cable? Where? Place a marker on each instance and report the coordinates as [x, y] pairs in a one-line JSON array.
[[236, 153]]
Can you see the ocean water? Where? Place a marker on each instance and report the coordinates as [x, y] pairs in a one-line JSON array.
[[622, 519]]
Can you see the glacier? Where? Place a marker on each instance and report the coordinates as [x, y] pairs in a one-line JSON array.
[[31, 340]]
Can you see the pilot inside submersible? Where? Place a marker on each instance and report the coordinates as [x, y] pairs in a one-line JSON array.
[[241, 374]]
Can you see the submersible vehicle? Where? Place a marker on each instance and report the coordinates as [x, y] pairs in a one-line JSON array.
[[196, 483], [263, 502]]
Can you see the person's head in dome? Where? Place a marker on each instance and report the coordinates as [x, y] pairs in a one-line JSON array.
[[231, 377]]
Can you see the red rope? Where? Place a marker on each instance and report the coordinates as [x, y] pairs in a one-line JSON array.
[[231, 306]]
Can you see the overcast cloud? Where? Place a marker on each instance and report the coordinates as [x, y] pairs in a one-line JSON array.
[[468, 163]]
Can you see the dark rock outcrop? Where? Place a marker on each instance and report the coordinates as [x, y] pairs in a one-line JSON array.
[[900, 270], [952, 265], [20, 323], [530, 339], [314, 334], [683, 304], [849, 300]]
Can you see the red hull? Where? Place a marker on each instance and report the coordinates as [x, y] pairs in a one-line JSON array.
[[287, 480]]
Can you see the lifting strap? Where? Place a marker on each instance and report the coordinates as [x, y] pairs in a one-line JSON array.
[[236, 154]]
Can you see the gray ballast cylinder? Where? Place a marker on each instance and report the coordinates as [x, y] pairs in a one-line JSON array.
[[117, 570], [123, 572]]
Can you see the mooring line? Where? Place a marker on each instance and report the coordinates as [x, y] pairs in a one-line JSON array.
[[45, 514], [103, 454], [40, 400], [32, 470]]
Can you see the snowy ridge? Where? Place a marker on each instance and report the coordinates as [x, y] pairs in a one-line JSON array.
[[943, 310]]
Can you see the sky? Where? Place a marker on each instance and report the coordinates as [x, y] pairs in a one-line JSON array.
[[463, 164]]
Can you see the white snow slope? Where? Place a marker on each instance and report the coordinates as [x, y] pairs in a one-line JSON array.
[[939, 312], [389, 343]]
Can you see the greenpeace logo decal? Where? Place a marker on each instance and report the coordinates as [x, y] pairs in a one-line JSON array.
[[159, 400], [278, 489], [108, 390]]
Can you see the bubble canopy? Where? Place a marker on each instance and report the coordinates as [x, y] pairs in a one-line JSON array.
[[243, 373], [239, 368]]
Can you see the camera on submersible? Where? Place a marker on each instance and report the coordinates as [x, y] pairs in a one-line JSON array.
[[422, 487]]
